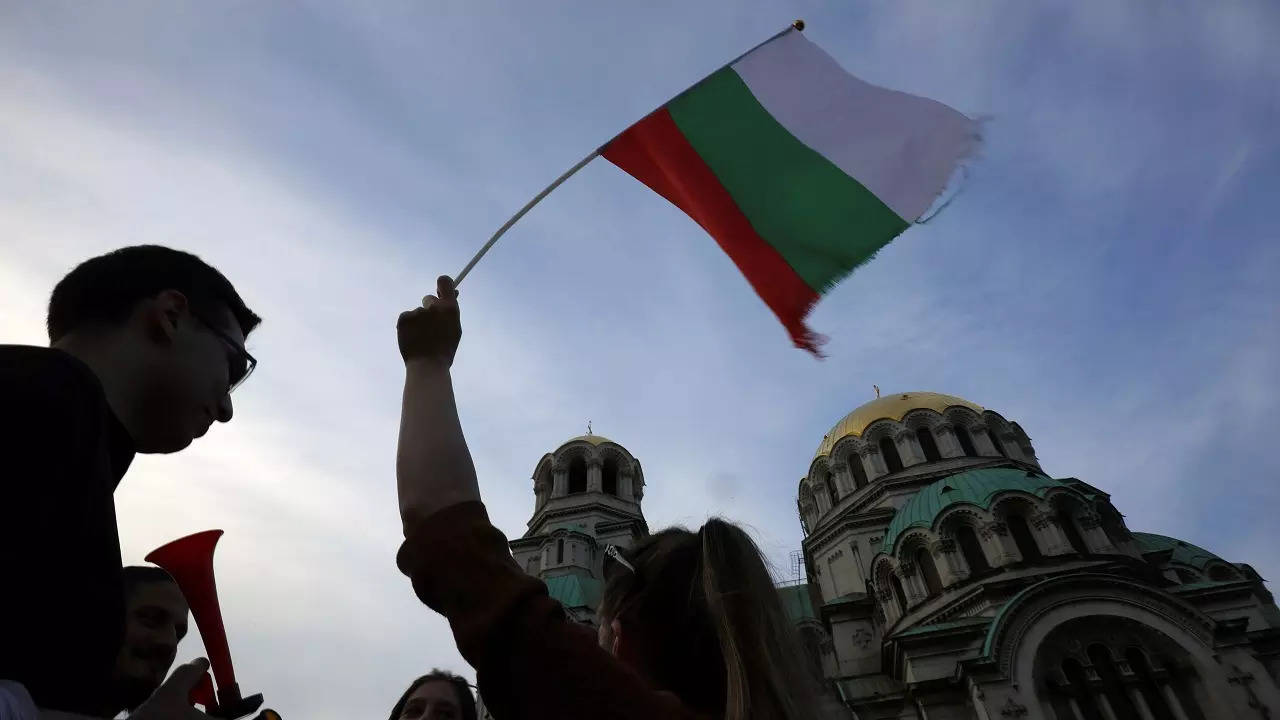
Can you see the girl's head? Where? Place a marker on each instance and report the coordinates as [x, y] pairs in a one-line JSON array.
[[438, 695], [699, 615]]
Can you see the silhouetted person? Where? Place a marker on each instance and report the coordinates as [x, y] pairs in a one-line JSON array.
[[147, 344], [155, 622], [438, 695], [691, 624]]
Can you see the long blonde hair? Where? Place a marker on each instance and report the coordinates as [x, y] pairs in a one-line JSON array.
[[708, 625]]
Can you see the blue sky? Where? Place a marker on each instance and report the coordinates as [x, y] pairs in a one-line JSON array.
[[1106, 277]]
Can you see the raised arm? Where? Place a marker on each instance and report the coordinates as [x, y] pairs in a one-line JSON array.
[[433, 465], [532, 662]]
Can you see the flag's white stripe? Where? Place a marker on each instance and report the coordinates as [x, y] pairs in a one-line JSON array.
[[901, 147]]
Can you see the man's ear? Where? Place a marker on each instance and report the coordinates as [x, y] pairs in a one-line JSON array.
[[163, 313]]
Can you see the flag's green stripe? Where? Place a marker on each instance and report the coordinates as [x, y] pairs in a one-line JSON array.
[[823, 222]]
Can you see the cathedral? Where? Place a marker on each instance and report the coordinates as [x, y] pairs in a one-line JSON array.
[[948, 577]]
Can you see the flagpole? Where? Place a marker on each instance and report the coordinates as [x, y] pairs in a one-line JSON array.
[[797, 25], [527, 207]]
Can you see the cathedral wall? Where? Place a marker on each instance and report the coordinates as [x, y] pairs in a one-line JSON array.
[[844, 566], [1239, 606], [857, 646], [951, 706], [841, 572], [529, 560], [620, 537], [938, 661]]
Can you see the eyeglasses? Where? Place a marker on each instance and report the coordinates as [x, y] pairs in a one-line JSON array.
[[612, 553], [242, 368]]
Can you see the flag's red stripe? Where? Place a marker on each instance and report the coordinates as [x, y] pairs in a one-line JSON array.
[[656, 153]]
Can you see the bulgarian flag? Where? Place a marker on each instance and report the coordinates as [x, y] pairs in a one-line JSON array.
[[800, 171]]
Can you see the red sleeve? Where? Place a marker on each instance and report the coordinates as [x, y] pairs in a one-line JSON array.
[[531, 660]]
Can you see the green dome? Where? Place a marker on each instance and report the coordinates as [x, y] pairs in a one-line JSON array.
[[1183, 552], [976, 487]]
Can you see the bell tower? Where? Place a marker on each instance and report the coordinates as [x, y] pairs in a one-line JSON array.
[[587, 496]]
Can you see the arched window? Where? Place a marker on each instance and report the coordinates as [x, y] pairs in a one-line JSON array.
[[1074, 673], [928, 571], [1090, 653], [858, 472], [531, 567], [1023, 538], [927, 444], [1150, 691], [1068, 526], [609, 476], [832, 493], [995, 442], [971, 549], [560, 551], [1220, 573], [966, 442], [890, 452], [1112, 686], [1113, 526], [577, 475], [899, 596]]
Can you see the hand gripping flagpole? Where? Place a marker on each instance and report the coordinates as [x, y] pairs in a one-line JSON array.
[[797, 25]]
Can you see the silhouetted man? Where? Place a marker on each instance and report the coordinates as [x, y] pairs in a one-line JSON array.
[[147, 344], [155, 621]]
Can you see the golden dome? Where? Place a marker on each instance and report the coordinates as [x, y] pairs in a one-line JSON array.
[[892, 407], [593, 439]]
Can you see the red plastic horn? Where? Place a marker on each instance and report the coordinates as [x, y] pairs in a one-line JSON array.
[[190, 561]]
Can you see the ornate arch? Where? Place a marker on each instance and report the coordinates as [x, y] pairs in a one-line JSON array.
[[1220, 570], [882, 566], [617, 452], [881, 429], [820, 465], [995, 421], [846, 446], [1028, 607], [1006, 499], [807, 501], [923, 418], [961, 416], [542, 472], [912, 540], [1021, 436], [1193, 573], [1060, 497], [576, 449], [964, 514]]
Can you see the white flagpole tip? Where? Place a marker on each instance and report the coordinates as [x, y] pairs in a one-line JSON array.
[[799, 25]]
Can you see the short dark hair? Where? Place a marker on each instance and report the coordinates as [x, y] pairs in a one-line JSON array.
[[106, 288], [461, 688], [136, 575]]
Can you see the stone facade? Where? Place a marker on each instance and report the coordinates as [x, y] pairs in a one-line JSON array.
[[954, 579]]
